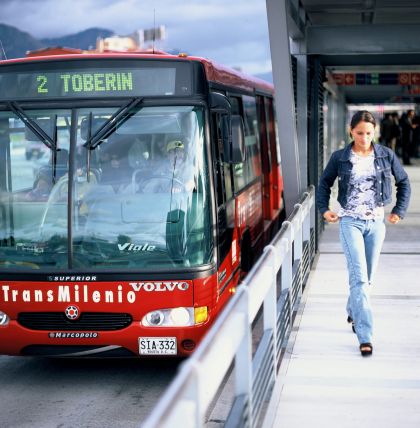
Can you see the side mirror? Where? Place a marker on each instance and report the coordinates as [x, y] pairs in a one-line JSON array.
[[238, 139], [219, 103]]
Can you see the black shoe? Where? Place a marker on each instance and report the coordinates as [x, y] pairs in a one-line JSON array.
[[366, 349]]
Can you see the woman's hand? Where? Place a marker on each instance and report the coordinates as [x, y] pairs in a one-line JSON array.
[[330, 216], [394, 218]]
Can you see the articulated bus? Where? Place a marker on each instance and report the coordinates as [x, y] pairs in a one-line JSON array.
[[135, 192]]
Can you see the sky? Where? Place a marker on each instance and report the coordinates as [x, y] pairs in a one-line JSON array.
[[231, 32]]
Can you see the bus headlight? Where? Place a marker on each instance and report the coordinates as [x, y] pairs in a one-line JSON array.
[[179, 316], [175, 317], [154, 319], [4, 319]]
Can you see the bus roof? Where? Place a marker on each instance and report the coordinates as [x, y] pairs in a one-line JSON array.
[[215, 73]]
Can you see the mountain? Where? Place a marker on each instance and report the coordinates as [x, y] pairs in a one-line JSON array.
[[16, 42], [83, 40]]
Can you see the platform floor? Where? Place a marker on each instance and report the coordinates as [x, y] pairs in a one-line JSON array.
[[325, 382]]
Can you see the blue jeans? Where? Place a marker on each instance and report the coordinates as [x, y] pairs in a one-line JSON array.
[[362, 242]]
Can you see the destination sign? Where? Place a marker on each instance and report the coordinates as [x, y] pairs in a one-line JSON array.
[[376, 78], [74, 83], [89, 82], [350, 79]]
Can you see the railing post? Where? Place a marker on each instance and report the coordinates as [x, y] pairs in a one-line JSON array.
[[298, 246], [313, 221], [287, 268], [243, 360], [306, 227], [270, 302]]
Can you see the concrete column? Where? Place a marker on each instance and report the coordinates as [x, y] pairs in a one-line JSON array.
[[285, 103], [302, 118]]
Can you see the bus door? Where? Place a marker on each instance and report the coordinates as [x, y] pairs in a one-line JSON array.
[[223, 182]]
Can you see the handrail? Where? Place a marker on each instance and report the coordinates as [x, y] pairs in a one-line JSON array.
[[188, 398]]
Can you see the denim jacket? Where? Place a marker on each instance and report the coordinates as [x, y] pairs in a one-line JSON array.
[[386, 163]]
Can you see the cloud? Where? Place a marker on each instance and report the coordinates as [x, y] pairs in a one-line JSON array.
[[231, 32]]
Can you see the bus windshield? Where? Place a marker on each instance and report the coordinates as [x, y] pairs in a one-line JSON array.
[[138, 198]]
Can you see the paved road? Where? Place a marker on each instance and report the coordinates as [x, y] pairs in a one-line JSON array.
[[68, 393]]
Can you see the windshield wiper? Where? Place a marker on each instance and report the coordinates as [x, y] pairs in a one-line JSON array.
[[51, 143], [121, 115]]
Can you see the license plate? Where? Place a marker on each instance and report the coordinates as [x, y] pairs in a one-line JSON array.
[[157, 346]]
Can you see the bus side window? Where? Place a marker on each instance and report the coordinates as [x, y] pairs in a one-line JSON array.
[[245, 172], [275, 152], [237, 168], [274, 133], [235, 104], [265, 157], [252, 157], [264, 134]]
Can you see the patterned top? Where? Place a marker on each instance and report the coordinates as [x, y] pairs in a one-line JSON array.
[[361, 202]]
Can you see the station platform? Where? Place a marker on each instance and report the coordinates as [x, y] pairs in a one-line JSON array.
[[325, 382]]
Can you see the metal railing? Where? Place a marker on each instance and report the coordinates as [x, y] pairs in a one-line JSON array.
[[274, 285]]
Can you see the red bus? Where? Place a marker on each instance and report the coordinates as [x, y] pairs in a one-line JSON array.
[[135, 190]]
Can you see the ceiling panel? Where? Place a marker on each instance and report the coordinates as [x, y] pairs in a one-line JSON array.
[[341, 13], [348, 12]]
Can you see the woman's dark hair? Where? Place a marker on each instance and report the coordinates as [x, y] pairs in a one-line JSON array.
[[362, 116]]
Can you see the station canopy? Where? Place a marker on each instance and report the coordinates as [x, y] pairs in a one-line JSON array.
[[370, 47]]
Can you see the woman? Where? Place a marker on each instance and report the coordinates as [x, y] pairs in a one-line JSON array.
[[364, 187]]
